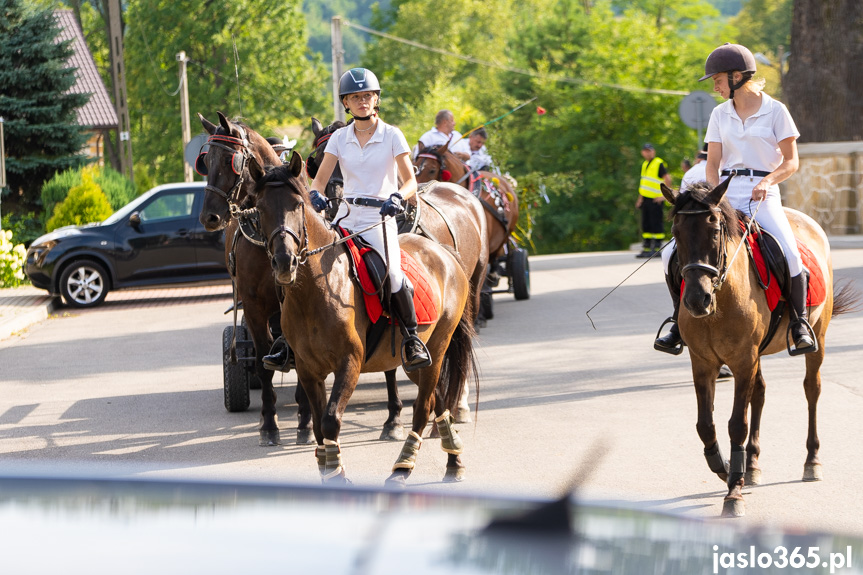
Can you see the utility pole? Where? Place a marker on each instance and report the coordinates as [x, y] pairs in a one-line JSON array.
[[2, 166], [188, 176], [118, 76], [338, 64]]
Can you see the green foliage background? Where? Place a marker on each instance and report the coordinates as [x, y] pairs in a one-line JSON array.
[[86, 203]]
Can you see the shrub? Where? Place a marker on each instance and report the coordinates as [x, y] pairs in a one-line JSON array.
[[116, 187], [12, 258], [84, 204], [25, 227]]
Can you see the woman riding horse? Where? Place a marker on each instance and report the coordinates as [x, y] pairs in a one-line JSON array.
[[372, 155], [750, 135]]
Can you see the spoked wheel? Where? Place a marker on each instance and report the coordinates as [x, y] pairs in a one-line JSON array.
[[519, 273], [84, 284], [236, 380]]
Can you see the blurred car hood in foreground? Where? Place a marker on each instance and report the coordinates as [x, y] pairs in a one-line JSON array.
[[94, 526]]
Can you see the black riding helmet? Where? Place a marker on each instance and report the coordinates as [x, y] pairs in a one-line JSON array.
[[730, 58], [359, 80]]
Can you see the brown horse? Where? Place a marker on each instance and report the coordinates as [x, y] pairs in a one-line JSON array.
[[501, 213], [233, 148], [324, 321], [726, 319]]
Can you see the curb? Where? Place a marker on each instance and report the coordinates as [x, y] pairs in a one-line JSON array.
[[21, 321]]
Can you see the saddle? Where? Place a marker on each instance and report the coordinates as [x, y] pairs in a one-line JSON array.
[[370, 271]]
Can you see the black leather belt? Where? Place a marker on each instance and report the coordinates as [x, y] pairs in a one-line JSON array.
[[745, 172], [367, 202]]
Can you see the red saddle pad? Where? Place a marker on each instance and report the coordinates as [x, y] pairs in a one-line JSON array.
[[427, 312], [817, 290]]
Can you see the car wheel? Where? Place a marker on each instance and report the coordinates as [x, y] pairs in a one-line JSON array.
[[84, 283]]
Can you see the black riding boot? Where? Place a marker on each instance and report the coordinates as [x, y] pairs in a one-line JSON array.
[[279, 357], [415, 355], [801, 331], [671, 342]]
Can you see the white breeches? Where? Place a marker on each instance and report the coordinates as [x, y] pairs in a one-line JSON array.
[[362, 217]]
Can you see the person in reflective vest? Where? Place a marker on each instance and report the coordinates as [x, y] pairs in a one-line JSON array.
[[650, 201]]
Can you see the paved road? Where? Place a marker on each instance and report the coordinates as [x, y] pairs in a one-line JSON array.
[[134, 388]]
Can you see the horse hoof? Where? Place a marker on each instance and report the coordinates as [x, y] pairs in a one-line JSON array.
[[305, 436], [454, 474], [812, 472], [397, 480], [463, 416], [270, 438], [752, 477], [733, 508], [393, 433]]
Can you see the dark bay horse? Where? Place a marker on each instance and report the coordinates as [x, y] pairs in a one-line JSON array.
[[724, 319], [432, 162], [233, 148], [325, 323]]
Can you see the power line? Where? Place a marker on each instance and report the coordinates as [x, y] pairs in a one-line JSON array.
[[554, 78]]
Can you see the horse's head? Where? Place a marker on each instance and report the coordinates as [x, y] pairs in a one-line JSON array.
[[281, 198], [703, 222], [335, 187], [233, 148], [436, 163]]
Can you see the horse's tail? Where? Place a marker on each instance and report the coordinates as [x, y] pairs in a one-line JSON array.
[[846, 297], [459, 362]]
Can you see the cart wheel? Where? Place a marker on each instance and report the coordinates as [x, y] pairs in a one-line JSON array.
[[246, 348], [519, 273], [236, 376]]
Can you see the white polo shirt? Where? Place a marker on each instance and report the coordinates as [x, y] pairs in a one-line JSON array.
[[435, 137], [369, 171], [695, 174], [755, 143]]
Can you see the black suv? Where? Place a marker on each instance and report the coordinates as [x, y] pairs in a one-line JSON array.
[[155, 239]]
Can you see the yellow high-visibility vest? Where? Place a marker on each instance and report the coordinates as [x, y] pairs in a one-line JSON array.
[[650, 180]]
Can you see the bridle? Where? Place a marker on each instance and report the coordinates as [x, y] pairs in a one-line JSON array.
[[720, 271], [239, 162]]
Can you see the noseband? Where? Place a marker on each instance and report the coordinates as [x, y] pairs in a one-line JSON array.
[[719, 271]]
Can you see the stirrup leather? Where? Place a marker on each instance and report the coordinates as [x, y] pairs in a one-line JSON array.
[[673, 350]]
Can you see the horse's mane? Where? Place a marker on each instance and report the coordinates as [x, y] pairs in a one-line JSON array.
[[280, 174], [698, 194]]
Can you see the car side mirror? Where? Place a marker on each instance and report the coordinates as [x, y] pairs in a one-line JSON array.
[[135, 220]]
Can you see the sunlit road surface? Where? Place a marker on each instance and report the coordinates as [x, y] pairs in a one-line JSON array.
[[135, 389]]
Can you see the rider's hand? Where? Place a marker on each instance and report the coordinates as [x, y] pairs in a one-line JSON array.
[[393, 205], [759, 192], [319, 203]]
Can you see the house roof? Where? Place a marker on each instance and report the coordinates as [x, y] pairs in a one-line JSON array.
[[98, 113]]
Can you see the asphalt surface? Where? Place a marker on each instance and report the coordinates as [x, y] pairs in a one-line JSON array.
[[134, 388]]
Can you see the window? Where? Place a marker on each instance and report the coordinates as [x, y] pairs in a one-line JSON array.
[[169, 206]]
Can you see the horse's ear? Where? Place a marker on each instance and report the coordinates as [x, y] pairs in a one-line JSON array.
[[208, 125], [420, 146], [296, 164], [226, 124], [443, 149], [715, 196], [255, 169], [669, 194], [317, 127]]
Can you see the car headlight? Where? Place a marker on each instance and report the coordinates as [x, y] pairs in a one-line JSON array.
[[36, 254]]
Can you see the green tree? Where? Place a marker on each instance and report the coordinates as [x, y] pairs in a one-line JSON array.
[[85, 204], [41, 130], [281, 84]]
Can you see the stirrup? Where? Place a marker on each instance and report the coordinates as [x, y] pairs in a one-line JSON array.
[[801, 350], [417, 361], [672, 349], [279, 358]]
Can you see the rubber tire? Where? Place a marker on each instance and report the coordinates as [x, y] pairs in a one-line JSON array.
[[236, 377], [486, 304], [519, 273], [94, 271]]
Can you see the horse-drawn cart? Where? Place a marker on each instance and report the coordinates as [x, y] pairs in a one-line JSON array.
[[513, 265], [239, 377]]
